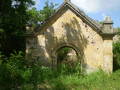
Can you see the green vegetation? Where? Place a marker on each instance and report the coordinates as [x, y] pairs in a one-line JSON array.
[[15, 73], [94, 81], [116, 51], [15, 15], [37, 17], [62, 53], [13, 20]]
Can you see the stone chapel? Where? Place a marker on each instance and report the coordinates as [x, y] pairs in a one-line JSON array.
[[71, 27]]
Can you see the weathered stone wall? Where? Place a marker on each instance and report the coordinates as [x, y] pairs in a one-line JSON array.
[[108, 54], [70, 30]]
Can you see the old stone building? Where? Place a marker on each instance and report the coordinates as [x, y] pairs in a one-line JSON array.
[[71, 27]]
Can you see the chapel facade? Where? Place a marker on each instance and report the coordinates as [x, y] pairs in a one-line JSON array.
[[71, 27]]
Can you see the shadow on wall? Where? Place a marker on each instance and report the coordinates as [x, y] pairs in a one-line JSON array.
[[76, 38], [72, 37]]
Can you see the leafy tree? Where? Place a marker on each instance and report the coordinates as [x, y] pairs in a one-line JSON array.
[[14, 16], [13, 20], [35, 17], [39, 16], [48, 10]]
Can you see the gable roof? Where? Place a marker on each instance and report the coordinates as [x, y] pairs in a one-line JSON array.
[[94, 24]]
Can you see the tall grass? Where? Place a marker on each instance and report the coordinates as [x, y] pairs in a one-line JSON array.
[[15, 74], [95, 81]]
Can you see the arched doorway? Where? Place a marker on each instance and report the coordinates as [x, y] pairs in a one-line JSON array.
[[67, 54]]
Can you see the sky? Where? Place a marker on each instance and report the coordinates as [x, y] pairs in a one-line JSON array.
[[96, 9]]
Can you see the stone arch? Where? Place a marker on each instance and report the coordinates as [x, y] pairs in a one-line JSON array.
[[76, 49]]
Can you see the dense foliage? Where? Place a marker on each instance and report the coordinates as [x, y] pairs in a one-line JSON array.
[[116, 51], [15, 15], [13, 20], [16, 74], [37, 17], [62, 53]]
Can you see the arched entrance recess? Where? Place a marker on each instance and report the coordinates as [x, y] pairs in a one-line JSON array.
[[76, 49]]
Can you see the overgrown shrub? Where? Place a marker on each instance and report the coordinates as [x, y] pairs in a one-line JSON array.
[[13, 71], [62, 53], [15, 74], [116, 52], [66, 69]]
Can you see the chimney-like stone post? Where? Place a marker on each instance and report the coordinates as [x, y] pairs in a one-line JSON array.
[[108, 25]]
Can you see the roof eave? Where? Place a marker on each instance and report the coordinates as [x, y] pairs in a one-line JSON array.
[[79, 13]]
